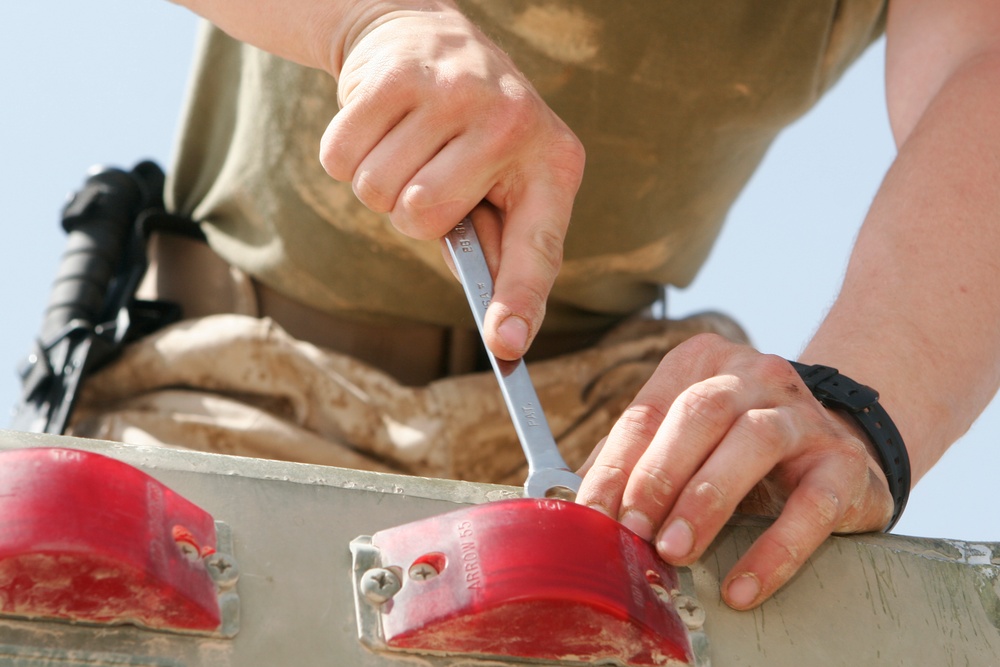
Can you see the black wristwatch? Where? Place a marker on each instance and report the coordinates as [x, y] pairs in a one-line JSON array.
[[840, 392]]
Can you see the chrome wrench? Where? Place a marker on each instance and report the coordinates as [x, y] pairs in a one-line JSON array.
[[548, 474]]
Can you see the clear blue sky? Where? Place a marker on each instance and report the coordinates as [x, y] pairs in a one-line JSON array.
[[101, 82]]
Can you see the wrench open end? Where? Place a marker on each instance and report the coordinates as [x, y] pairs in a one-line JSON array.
[[551, 483]]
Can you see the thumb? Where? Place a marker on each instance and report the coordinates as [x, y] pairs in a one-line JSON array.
[[531, 251]]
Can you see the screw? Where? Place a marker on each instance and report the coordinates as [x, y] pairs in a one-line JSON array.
[[690, 611], [223, 569], [186, 543], [379, 584], [423, 571], [661, 592], [188, 550]]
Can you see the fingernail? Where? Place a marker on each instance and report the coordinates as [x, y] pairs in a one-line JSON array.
[[676, 541], [514, 332], [743, 591], [638, 523]]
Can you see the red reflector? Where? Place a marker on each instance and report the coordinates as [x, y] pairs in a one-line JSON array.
[[542, 579], [84, 537]]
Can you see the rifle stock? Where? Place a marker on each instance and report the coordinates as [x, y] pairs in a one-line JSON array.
[[86, 320]]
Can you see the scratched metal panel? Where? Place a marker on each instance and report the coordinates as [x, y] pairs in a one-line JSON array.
[[868, 600]]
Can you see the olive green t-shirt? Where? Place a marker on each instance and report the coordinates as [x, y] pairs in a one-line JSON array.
[[676, 103]]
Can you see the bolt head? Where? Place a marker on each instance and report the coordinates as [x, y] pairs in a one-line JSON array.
[[223, 569], [423, 571], [691, 613], [379, 584]]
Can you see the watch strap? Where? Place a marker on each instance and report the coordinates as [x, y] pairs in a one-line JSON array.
[[840, 392]]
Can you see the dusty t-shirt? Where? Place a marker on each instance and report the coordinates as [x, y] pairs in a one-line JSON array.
[[675, 103]]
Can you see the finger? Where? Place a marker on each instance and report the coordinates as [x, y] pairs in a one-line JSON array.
[[530, 256], [396, 158], [812, 513], [537, 206], [689, 362], [445, 189], [357, 128], [488, 225], [609, 474], [698, 422], [536, 203], [747, 453]]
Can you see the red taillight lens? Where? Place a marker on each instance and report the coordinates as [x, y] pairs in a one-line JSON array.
[[542, 579], [84, 537]]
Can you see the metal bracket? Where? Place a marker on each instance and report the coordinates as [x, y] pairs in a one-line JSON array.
[[225, 572], [694, 616], [366, 558]]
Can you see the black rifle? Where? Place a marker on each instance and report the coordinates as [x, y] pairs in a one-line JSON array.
[[92, 309]]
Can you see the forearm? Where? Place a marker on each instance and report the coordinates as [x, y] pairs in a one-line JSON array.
[[315, 33], [918, 317]]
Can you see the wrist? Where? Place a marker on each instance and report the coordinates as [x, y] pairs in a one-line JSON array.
[[341, 36], [859, 404]]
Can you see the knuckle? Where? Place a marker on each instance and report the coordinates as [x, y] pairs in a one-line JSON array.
[[605, 481], [763, 431], [368, 188], [547, 242], [510, 116], [640, 422], [335, 156], [702, 345], [395, 81], [710, 498], [410, 223], [650, 489], [614, 475], [421, 213], [822, 505], [569, 157], [773, 366], [703, 407]]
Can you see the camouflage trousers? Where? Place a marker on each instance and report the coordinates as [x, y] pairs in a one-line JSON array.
[[236, 384]]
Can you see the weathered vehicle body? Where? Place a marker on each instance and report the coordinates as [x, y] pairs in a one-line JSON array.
[[860, 600]]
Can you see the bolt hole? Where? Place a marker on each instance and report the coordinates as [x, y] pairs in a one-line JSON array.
[[427, 566], [186, 543]]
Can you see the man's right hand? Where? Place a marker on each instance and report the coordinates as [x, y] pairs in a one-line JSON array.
[[435, 119]]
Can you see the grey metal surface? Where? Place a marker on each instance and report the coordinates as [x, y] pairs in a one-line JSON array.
[[548, 474], [864, 600]]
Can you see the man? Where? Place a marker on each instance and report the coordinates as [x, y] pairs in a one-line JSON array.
[[675, 106]]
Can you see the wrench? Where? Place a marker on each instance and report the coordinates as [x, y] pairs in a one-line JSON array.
[[548, 474]]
